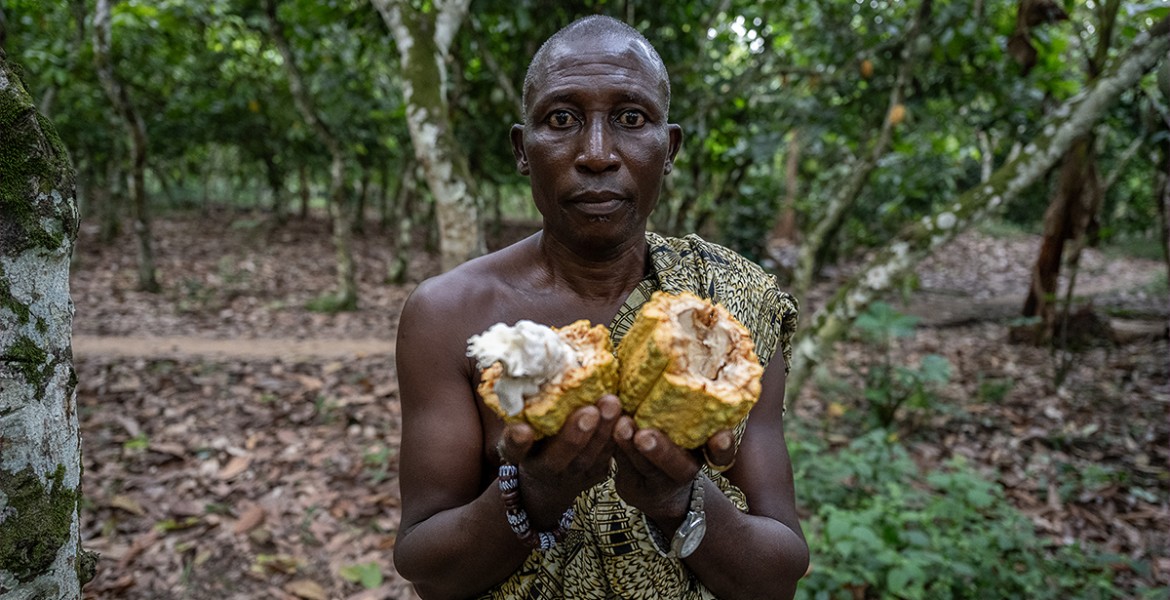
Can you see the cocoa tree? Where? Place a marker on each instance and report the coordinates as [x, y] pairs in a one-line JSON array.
[[424, 42], [135, 129], [40, 445], [345, 298], [1058, 135]]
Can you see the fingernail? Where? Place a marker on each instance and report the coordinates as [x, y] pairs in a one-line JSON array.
[[722, 442], [623, 430], [646, 443], [587, 421], [610, 410]]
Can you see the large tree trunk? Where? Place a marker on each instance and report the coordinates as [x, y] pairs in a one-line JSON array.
[[1067, 124], [424, 41], [40, 445], [346, 296], [136, 132]]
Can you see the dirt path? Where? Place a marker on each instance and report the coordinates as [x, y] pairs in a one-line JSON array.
[[89, 346]]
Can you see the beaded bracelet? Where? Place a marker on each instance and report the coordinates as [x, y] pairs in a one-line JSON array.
[[518, 518]]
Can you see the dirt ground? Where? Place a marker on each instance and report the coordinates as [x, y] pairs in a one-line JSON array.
[[237, 445]]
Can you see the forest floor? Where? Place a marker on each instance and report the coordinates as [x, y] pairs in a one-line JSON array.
[[239, 446]]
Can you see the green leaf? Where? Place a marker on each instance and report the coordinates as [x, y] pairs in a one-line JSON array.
[[369, 575]]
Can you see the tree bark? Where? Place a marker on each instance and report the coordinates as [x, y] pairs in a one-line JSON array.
[[136, 132], [346, 296], [40, 444], [1061, 130], [1073, 207], [424, 41], [785, 228]]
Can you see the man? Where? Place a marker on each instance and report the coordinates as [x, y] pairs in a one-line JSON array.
[[596, 145]]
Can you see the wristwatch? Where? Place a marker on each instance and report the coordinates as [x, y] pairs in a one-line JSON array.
[[690, 533]]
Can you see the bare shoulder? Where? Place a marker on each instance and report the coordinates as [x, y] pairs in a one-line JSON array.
[[443, 311]]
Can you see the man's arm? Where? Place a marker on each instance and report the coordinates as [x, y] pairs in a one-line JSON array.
[[454, 539], [761, 554], [449, 521]]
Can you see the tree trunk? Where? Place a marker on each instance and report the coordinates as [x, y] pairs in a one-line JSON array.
[[404, 235], [816, 243], [346, 296], [1068, 123], [1073, 208], [40, 462], [136, 132], [1074, 203], [785, 228], [424, 40], [303, 179], [275, 177]]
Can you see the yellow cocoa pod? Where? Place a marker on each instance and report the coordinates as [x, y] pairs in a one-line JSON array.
[[589, 373], [866, 68], [897, 114], [688, 368]]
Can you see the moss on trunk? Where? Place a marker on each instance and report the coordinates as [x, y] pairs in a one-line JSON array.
[[35, 521], [42, 167]]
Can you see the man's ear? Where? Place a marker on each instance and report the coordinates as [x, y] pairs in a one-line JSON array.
[[675, 135], [517, 135]]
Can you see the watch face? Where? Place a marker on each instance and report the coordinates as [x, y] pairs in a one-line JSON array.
[[690, 534]]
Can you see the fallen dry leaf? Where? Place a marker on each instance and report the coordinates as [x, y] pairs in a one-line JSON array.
[[250, 519], [234, 467], [307, 589], [127, 504]]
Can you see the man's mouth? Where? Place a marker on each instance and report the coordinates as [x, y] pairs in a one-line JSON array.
[[598, 203], [599, 207]]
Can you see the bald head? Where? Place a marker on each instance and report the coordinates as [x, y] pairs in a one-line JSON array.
[[601, 29]]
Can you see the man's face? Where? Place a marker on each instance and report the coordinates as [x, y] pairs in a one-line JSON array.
[[596, 145]]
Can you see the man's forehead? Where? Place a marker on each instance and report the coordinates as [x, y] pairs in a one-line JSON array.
[[580, 52]]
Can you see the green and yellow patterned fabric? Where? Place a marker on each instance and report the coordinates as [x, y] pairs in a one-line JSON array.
[[607, 552]]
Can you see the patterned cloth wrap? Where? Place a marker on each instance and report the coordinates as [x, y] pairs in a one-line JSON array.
[[607, 552]]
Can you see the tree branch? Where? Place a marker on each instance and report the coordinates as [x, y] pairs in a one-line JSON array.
[[1068, 123]]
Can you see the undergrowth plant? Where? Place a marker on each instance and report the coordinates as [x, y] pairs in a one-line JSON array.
[[881, 528], [891, 385]]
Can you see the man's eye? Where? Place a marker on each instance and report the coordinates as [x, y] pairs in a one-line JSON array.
[[561, 118], [632, 118]]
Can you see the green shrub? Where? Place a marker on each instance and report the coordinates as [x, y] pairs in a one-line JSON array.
[[889, 385], [880, 528]]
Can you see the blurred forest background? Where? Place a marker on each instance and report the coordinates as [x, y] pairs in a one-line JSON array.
[[968, 197]]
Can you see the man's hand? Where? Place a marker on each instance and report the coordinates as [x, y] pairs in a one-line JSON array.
[[655, 475], [555, 470]]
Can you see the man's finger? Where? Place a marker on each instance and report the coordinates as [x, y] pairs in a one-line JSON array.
[[515, 442], [720, 451], [671, 460]]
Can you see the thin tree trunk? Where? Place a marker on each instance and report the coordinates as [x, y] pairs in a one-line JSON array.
[[346, 296], [136, 132], [303, 180], [275, 179], [1074, 202], [424, 40], [40, 465], [785, 228], [404, 201], [1059, 133], [106, 201], [816, 242], [363, 192], [1073, 208]]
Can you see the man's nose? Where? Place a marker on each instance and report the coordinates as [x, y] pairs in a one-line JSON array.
[[597, 152]]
